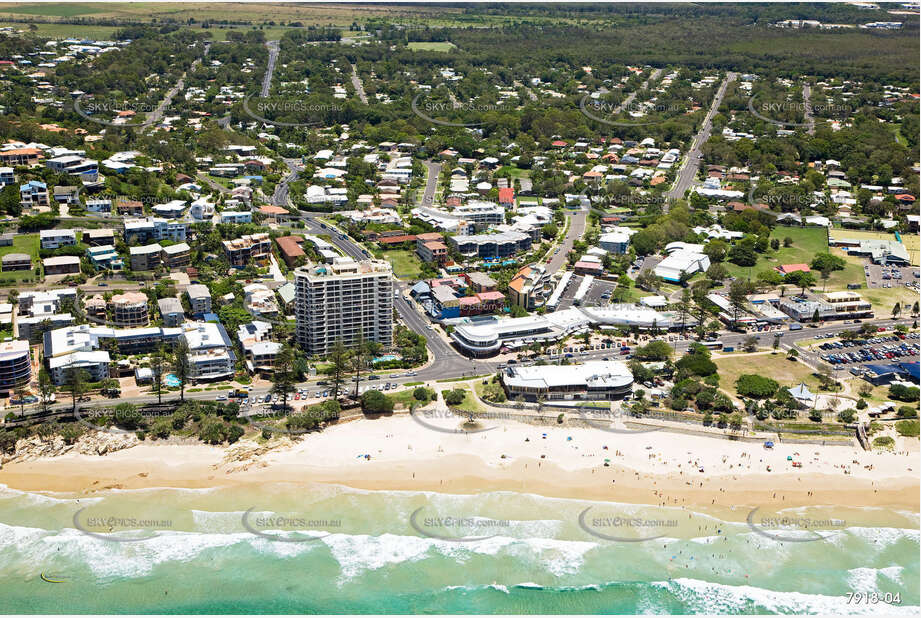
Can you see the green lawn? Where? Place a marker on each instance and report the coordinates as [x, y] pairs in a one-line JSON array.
[[442, 46], [406, 264], [776, 366], [807, 241], [22, 243]]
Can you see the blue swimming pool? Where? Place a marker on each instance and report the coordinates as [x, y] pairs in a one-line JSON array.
[[171, 380]]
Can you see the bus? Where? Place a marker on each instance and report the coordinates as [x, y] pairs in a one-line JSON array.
[[712, 345]]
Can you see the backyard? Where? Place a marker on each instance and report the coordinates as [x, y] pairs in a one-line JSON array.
[[22, 243]]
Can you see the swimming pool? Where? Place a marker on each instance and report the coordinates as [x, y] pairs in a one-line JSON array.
[[386, 357], [171, 380]]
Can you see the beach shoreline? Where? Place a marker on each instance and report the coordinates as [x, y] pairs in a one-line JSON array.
[[720, 477]]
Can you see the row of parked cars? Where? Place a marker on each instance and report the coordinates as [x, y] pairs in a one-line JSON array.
[[868, 350]]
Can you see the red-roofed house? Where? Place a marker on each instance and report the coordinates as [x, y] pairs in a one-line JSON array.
[[558, 144], [786, 269], [507, 196], [396, 240], [276, 212], [290, 247]]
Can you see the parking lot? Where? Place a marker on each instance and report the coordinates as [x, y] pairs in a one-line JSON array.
[[873, 350], [891, 276]]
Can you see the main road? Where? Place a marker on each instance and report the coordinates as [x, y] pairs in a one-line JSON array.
[[270, 68], [688, 171]]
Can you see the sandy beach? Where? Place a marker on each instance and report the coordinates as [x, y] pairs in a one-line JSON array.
[[657, 468]]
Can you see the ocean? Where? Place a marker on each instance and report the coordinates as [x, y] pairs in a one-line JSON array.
[[292, 548]]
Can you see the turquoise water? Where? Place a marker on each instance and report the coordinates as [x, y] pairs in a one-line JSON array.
[[171, 380], [386, 357], [366, 552]]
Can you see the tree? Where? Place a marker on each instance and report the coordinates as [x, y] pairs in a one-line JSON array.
[[339, 356], [738, 296], [801, 280], [283, 379], [717, 272], [158, 365], [358, 360], [45, 388], [896, 310], [454, 397], [776, 345], [827, 262], [75, 380], [21, 392], [750, 344], [648, 280], [182, 365], [684, 308], [376, 402], [716, 250], [755, 386], [657, 350], [787, 242]]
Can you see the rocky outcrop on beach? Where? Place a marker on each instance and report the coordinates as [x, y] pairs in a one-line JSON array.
[[246, 453], [93, 443]]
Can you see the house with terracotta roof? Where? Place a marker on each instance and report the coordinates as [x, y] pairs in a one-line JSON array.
[[275, 212], [507, 196], [786, 269], [290, 248]]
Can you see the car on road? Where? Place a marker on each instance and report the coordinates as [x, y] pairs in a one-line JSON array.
[[222, 397]]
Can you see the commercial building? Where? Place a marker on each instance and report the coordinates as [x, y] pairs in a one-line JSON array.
[[61, 265], [592, 380], [683, 260], [486, 336], [130, 309], [15, 364], [344, 300], [199, 298], [834, 306]]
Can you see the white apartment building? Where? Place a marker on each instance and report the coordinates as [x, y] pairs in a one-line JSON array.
[[344, 300]]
